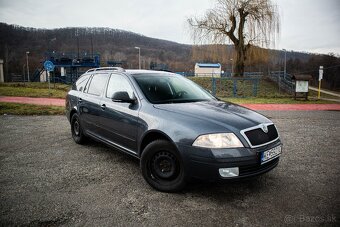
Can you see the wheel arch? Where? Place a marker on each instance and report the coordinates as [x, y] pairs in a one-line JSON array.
[[150, 136], [73, 111]]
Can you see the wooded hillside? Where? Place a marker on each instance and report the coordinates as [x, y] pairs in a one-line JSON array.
[[119, 45]]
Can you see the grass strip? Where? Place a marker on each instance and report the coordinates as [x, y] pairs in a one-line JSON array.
[[29, 109]]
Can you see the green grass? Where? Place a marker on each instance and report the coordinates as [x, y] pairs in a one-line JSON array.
[[34, 90], [58, 86], [28, 109], [322, 95], [268, 92]]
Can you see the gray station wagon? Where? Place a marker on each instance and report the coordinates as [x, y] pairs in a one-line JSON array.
[[177, 130]]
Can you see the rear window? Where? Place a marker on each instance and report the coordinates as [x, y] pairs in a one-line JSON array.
[[80, 84], [97, 84]]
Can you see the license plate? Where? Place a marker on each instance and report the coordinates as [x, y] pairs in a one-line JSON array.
[[269, 155]]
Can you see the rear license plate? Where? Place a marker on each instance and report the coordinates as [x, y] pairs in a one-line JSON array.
[[269, 155]]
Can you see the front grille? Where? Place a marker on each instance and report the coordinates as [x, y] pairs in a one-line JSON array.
[[253, 169], [258, 137]]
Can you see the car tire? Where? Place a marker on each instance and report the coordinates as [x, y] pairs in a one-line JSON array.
[[76, 129], [162, 166]]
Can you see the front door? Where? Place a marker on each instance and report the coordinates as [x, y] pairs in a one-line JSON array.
[[120, 120]]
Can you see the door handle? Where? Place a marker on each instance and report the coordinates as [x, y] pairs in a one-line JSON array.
[[103, 107], [80, 100]]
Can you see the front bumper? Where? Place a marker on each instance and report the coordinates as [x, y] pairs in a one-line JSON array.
[[204, 164]]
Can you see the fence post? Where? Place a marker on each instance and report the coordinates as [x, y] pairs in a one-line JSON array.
[[255, 85], [214, 86], [234, 87]]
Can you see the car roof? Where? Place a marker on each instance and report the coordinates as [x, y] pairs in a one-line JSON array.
[[132, 72], [144, 71]]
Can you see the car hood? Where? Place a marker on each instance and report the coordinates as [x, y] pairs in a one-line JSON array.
[[227, 115]]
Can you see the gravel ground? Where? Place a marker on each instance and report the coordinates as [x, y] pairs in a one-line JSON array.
[[47, 179]]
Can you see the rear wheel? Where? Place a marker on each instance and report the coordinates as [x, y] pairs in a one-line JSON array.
[[76, 129], [162, 166]]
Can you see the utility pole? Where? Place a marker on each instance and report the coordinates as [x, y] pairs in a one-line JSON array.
[[77, 34], [285, 67], [138, 56], [320, 78], [23, 72], [91, 47], [28, 69]]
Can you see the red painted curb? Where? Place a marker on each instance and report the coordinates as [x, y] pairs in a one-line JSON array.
[[279, 107], [35, 101], [289, 107]]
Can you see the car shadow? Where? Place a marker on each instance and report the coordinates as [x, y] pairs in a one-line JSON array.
[[219, 191]]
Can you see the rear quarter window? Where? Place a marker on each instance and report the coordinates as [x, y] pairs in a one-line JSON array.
[[80, 84]]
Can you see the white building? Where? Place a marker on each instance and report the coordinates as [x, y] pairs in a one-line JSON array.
[[208, 69]]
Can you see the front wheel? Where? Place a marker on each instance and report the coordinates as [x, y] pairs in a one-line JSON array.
[[162, 166], [76, 129]]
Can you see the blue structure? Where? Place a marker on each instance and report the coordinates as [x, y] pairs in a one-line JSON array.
[[68, 66], [72, 60], [159, 66], [113, 63]]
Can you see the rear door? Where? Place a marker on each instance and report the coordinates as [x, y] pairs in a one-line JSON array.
[[89, 106]]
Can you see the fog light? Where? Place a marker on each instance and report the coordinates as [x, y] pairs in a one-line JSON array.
[[229, 172]]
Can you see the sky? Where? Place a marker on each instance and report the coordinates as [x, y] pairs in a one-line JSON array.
[[305, 25]]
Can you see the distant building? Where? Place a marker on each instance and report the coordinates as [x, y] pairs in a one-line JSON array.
[[159, 66], [208, 69]]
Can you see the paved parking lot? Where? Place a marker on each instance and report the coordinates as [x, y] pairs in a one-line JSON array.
[[47, 179]]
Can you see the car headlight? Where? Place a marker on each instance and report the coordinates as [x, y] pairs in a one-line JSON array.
[[218, 140]]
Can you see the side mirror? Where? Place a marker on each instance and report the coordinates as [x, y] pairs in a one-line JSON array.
[[122, 96]]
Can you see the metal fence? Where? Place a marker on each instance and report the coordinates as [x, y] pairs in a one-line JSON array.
[[230, 86], [252, 84], [284, 81]]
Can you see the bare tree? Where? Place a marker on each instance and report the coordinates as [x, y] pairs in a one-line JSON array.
[[243, 22]]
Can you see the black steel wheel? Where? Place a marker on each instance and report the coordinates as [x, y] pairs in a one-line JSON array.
[[162, 166], [77, 131]]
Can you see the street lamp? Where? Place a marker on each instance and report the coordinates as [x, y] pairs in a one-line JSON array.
[[231, 66], [28, 70], [23, 71], [138, 56]]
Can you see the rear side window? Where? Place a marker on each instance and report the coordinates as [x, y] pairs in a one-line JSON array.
[[97, 84], [81, 83]]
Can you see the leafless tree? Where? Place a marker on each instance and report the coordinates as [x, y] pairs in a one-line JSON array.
[[243, 22]]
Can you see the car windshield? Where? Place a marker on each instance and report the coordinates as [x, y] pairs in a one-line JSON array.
[[170, 88]]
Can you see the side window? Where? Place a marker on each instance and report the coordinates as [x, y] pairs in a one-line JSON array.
[[97, 84], [118, 83], [81, 82]]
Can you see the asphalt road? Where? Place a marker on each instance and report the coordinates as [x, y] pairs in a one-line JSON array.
[[47, 179]]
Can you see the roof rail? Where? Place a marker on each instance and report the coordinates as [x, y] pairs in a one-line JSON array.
[[119, 69]]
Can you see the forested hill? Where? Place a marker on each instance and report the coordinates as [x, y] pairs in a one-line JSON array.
[[111, 44]]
